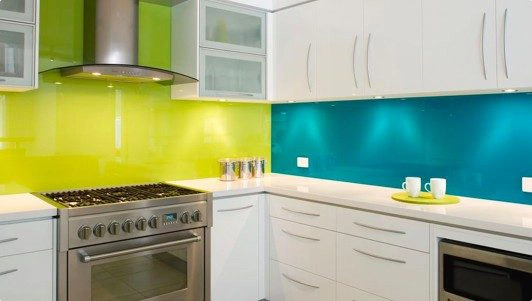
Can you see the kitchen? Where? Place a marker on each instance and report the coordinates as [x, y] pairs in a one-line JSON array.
[[129, 106]]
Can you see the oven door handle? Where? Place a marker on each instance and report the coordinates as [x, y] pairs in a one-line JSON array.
[[86, 258]]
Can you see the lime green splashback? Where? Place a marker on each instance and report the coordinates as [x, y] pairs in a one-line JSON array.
[[83, 133]]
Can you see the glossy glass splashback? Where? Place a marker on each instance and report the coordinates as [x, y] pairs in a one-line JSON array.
[[481, 144]]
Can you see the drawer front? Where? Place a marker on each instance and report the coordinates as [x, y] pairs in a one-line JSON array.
[[305, 247], [25, 237], [392, 230], [304, 212], [391, 272], [347, 293], [27, 277], [291, 284]]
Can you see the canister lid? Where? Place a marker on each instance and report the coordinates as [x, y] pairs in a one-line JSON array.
[[227, 160], [247, 159]]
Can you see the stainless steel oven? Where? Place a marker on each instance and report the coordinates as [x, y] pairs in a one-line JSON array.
[[159, 268], [471, 272]]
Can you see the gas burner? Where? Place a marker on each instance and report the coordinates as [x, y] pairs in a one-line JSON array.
[[161, 190], [78, 198]]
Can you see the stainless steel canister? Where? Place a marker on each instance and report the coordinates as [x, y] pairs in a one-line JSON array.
[[258, 167], [246, 168], [229, 169]]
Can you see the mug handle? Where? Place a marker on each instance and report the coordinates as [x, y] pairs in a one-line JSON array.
[[404, 185], [427, 189]]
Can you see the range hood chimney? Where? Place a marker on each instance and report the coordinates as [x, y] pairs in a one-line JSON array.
[[115, 53]]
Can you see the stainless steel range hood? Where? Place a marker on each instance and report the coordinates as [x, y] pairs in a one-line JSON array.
[[113, 54]]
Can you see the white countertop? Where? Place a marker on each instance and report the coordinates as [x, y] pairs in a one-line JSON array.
[[493, 216], [14, 207]]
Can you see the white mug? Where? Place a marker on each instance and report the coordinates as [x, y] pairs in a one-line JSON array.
[[413, 186], [436, 187]]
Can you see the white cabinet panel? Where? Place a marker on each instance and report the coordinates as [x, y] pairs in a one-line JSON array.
[[27, 277], [340, 58], [235, 249], [459, 45], [25, 237], [393, 43], [291, 284], [384, 270], [295, 52], [305, 247], [16, 56], [304, 212], [18, 10], [514, 38], [347, 293]]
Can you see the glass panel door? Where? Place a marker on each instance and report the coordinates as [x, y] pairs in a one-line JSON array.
[[232, 75], [18, 10], [16, 54], [232, 28]]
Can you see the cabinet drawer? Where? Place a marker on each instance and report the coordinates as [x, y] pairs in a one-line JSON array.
[[389, 271], [305, 247], [304, 212], [347, 293], [25, 237], [291, 284], [392, 230], [27, 277]]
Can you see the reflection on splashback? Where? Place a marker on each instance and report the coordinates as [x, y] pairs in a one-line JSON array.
[[481, 144], [82, 134]]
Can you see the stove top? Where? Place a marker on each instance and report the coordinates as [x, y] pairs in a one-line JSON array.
[[121, 194]]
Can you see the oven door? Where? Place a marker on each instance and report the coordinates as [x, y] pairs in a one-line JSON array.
[[156, 268]]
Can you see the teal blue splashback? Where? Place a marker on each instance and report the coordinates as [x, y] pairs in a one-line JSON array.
[[481, 144]]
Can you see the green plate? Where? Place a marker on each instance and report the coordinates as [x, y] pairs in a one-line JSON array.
[[425, 198]]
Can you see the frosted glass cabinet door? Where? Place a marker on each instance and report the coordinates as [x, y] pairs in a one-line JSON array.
[[232, 75], [232, 28], [16, 54], [18, 10]]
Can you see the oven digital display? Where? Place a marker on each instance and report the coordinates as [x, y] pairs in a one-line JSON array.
[[170, 217]]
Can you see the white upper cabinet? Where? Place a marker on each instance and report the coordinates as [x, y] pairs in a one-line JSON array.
[[459, 45], [393, 45], [17, 56], [18, 10], [295, 32], [341, 47], [514, 38]]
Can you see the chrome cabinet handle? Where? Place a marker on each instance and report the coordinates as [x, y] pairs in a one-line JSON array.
[[379, 257], [482, 47], [300, 212], [86, 258], [379, 229], [299, 282], [235, 209], [8, 239], [300, 236], [8, 272], [236, 93], [354, 61], [504, 38], [308, 59], [367, 60]]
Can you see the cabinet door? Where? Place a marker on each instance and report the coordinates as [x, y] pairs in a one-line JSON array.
[[16, 56], [295, 52], [232, 74], [235, 249], [340, 58], [232, 28], [18, 10], [393, 45], [458, 45], [514, 27]]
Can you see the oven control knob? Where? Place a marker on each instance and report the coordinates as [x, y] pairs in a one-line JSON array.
[[141, 224], [114, 228], [185, 217], [196, 216], [99, 230], [154, 222], [127, 226], [84, 232]]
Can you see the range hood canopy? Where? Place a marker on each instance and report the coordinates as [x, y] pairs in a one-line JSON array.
[[113, 54]]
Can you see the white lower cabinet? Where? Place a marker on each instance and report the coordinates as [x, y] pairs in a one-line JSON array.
[[347, 293], [27, 277], [235, 249], [292, 284], [392, 272]]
